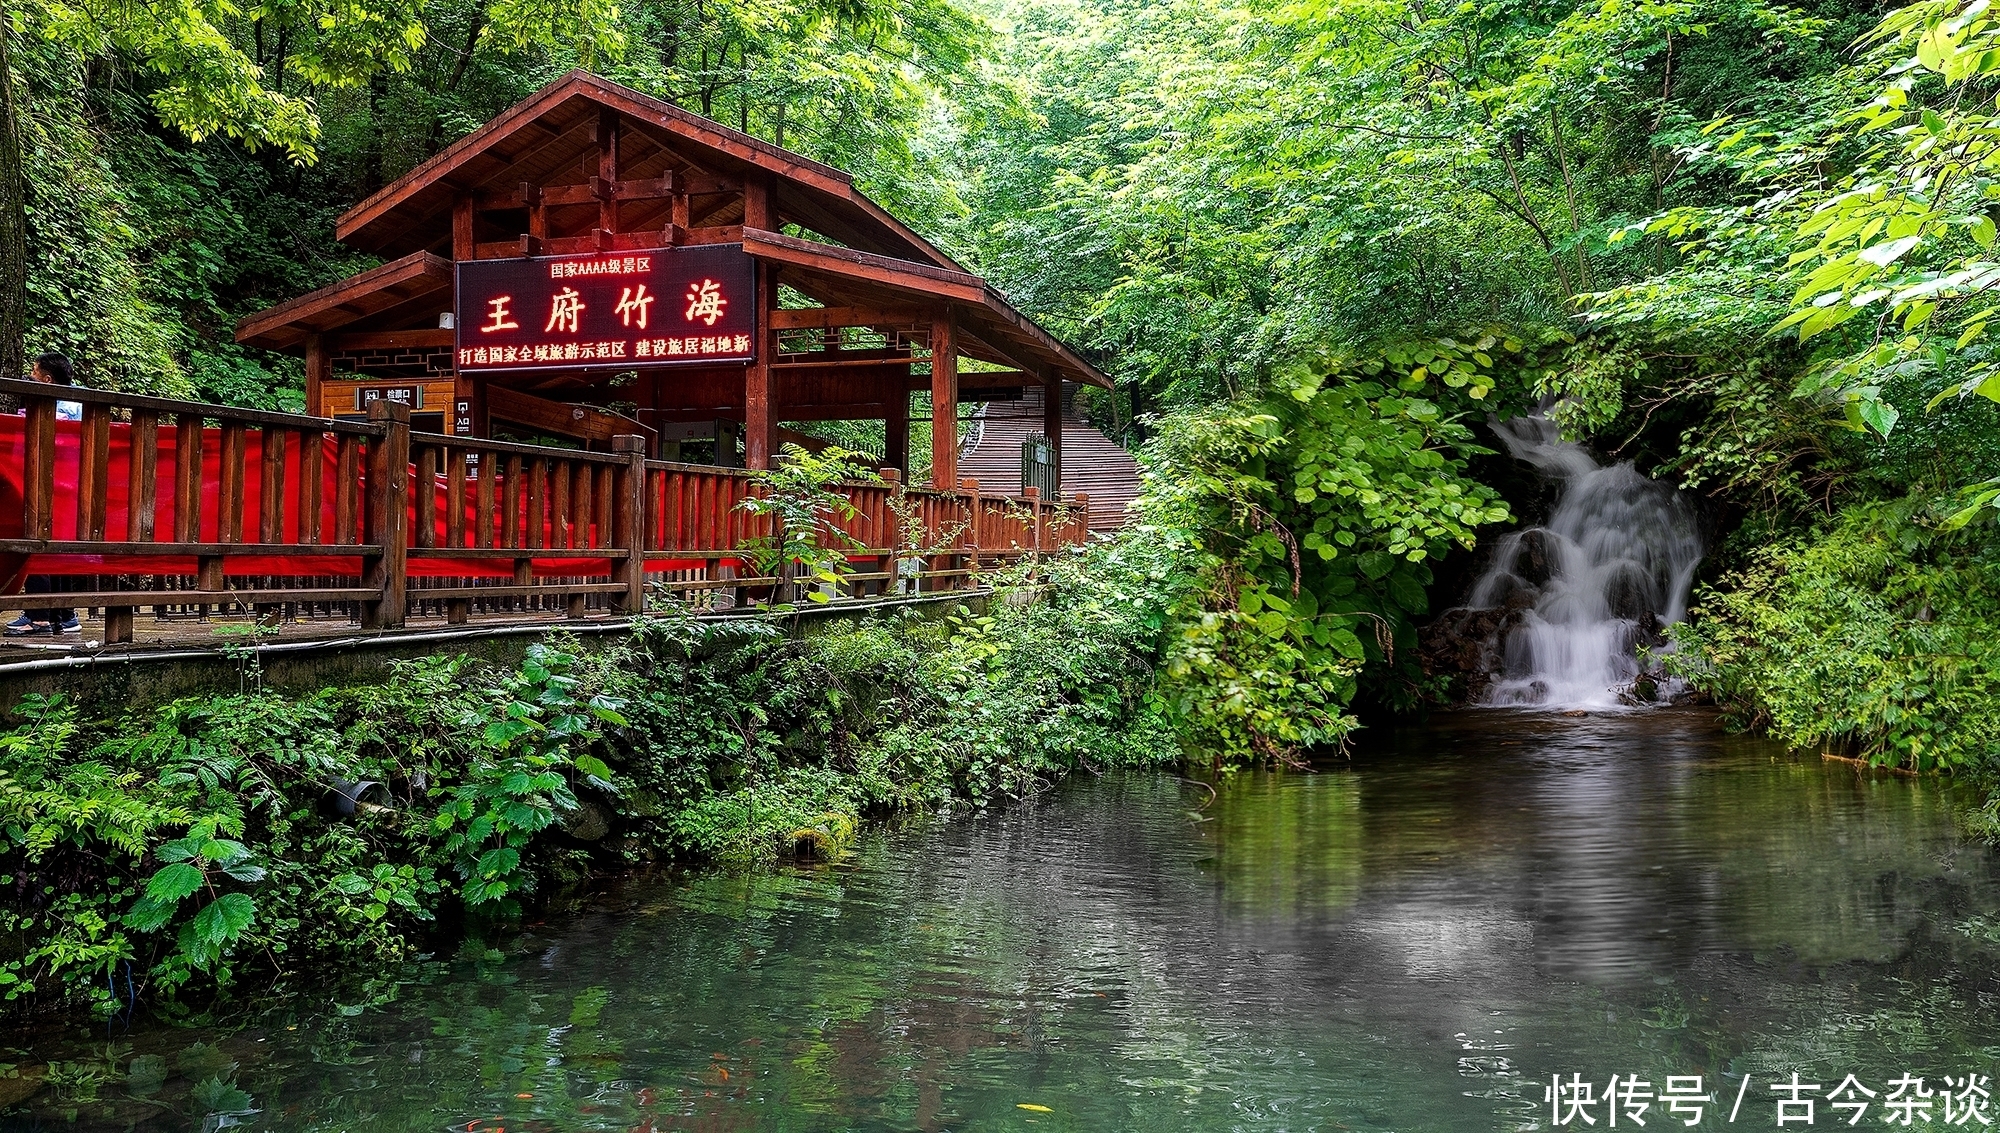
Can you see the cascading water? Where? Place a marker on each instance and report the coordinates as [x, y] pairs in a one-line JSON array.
[[1577, 598]]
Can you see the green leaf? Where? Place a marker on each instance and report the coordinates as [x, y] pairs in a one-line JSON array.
[[1408, 593], [147, 915], [173, 882], [224, 919], [1879, 415]]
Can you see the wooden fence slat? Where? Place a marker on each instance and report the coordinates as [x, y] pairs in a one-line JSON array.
[[454, 497], [230, 497], [38, 478], [271, 493], [583, 498], [606, 507], [312, 482], [538, 475], [559, 519], [511, 517], [482, 525], [346, 492], [187, 477], [93, 473], [142, 466], [425, 488]]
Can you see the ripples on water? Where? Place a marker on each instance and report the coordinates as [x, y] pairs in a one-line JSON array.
[[1412, 941]]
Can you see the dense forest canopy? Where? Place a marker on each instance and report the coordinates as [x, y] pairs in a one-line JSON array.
[[1317, 244]]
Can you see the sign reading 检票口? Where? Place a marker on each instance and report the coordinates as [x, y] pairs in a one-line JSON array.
[[609, 309]]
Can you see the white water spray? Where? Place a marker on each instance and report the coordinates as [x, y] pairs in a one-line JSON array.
[[1608, 574]]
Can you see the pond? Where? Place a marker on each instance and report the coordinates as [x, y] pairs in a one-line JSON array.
[[1415, 939]]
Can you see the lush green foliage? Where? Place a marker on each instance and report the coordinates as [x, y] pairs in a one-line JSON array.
[[1878, 637], [801, 499], [185, 163], [170, 853], [1309, 522], [1715, 239]]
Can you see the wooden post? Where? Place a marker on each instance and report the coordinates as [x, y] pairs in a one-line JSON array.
[[757, 423], [143, 468], [896, 435], [93, 472], [757, 202], [944, 404], [892, 531], [629, 531], [607, 168], [1052, 428], [971, 489], [388, 516], [538, 213], [463, 246], [319, 367], [1034, 495], [39, 470]]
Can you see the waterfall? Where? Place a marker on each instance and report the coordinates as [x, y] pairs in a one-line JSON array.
[[1572, 602]]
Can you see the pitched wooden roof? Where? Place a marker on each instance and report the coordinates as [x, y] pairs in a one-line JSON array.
[[551, 132], [419, 283], [867, 258]]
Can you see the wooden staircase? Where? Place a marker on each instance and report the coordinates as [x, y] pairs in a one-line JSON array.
[[1092, 463]]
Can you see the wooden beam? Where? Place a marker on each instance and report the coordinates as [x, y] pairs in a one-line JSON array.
[[680, 208], [390, 339], [580, 421], [757, 421], [944, 405], [1052, 429], [842, 363], [980, 379], [463, 246], [287, 324], [865, 266], [850, 317], [607, 169], [527, 244], [524, 196], [651, 238], [319, 367], [757, 203], [717, 234], [648, 189]]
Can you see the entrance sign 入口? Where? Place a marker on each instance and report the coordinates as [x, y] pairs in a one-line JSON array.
[[652, 307]]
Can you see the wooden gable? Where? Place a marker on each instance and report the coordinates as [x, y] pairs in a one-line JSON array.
[[587, 165]]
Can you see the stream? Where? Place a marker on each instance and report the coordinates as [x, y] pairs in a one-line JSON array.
[[1418, 938]]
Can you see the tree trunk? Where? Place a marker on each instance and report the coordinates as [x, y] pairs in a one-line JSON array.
[[13, 222]]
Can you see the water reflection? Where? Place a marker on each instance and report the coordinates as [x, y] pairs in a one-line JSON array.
[[1413, 940]]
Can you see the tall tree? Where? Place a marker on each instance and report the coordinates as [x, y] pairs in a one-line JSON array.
[[13, 218]]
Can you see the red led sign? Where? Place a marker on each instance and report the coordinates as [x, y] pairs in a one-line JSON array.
[[609, 310]]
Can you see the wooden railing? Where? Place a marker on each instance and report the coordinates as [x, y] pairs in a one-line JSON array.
[[166, 503]]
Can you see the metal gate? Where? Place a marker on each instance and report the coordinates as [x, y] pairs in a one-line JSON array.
[[1038, 466]]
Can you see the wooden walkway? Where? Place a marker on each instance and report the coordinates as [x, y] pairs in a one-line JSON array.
[[173, 516], [1093, 464]]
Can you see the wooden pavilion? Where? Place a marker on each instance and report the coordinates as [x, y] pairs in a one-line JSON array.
[[597, 262]]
